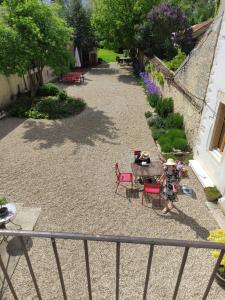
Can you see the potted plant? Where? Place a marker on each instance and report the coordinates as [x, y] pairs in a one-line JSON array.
[[212, 193], [218, 235], [3, 209]]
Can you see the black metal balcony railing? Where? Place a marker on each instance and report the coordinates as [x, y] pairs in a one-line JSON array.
[[118, 240]]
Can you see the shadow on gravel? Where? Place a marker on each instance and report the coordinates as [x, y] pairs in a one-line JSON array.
[[182, 218], [85, 129], [9, 124], [103, 71], [128, 79]]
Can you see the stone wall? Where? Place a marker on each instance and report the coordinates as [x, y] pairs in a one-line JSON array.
[[188, 85], [183, 105], [12, 85]]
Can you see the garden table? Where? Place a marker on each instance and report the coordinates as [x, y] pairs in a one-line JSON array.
[[125, 59], [154, 169]]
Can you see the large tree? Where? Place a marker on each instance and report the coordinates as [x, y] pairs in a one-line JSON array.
[[115, 21], [79, 19], [197, 10], [32, 36], [154, 36]]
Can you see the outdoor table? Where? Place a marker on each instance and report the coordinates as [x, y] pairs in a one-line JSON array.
[[154, 169], [125, 59]]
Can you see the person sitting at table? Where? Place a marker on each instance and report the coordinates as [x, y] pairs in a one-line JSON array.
[[143, 158]]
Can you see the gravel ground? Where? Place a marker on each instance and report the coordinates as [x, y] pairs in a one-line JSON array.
[[66, 168]]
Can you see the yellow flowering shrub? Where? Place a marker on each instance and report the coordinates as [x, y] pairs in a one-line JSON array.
[[218, 236]]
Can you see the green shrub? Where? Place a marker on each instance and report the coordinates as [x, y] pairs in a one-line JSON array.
[[148, 114], [164, 139], [3, 201], [174, 120], [159, 77], [157, 133], [212, 193], [159, 122], [153, 100], [166, 147], [175, 63], [18, 109], [51, 107], [180, 143], [164, 107], [156, 121], [175, 133], [63, 95], [48, 89]]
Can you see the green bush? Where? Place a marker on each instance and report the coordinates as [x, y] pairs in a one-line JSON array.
[[159, 77], [18, 109], [166, 147], [51, 107], [148, 114], [174, 120], [157, 133], [180, 143], [175, 133], [212, 193], [48, 89], [164, 107], [156, 121], [153, 100], [159, 122], [63, 95], [175, 63]]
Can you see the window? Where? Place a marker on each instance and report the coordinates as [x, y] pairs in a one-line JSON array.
[[219, 133]]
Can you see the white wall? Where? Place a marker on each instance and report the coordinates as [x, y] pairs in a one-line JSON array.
[[9, 85], [213, 165]]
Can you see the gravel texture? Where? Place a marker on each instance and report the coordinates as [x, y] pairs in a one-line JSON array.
[[66, 168]]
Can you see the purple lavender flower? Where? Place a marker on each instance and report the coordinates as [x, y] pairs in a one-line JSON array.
[[150, 86]]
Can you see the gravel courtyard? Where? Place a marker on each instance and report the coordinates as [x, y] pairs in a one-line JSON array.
[[66, 168]]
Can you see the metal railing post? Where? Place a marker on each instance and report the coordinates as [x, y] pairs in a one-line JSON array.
[[184, 259], [30, 268], [148, 271], [55, 250], [8, 279], [87, 269], [213, 274], [117, 270]]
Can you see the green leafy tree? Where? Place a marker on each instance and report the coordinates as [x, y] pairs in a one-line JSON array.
[[197, 10], [155, 34], [115, 21], [32, 36], [80, 20]]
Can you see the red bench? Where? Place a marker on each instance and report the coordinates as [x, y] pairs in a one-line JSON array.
[[73, 77]]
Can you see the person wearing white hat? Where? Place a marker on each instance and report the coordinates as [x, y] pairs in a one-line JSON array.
[[143, 158], [169, 177]]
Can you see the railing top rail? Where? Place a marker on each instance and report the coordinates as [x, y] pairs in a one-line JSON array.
[[113, 239]]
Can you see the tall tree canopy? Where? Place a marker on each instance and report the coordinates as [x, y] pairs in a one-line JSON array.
[[197, 10], [155, 35], [80, 20], [32, 35], [115, 20]]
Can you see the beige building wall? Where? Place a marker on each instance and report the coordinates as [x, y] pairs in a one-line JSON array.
[[12, 85]]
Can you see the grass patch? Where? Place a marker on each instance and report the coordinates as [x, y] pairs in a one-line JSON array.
[[108, 55]]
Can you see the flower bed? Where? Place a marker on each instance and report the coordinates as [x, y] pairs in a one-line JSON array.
[[167, 127], [50, 103]]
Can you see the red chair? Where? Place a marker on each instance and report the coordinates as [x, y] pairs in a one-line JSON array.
[[152, 189], [122, 177]]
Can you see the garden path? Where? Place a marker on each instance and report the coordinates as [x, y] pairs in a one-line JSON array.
[[66, 168]]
